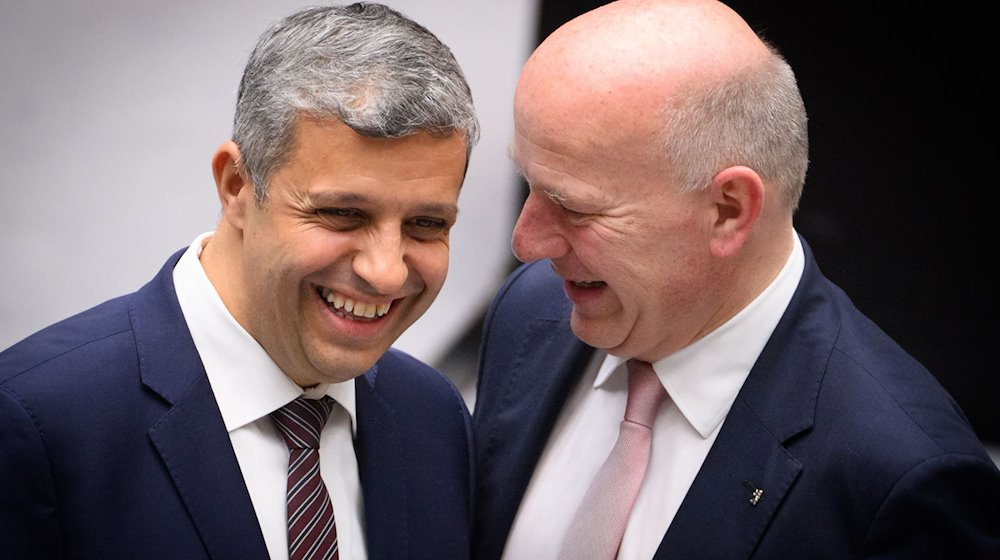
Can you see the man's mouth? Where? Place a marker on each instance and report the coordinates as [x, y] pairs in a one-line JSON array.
[[579, 284], [351, 308]]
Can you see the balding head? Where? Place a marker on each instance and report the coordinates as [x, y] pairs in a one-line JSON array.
[[629, 54], [619, 72], [644, 42]]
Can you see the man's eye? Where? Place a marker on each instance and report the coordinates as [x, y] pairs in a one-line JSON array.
[[338, 212], [341, 218], [429, 223], [576, 214], [425, 228]]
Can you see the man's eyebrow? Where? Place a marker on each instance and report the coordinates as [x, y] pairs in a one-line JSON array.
[[435, 208], [325, 198], [354, 198], [556, 195]]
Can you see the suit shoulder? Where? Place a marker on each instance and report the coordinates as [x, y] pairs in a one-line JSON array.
[[873, 367], [84, 331], [908, 401], [397, 373]]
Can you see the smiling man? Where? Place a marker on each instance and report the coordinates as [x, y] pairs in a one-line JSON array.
[[669, 374], [247, 403]]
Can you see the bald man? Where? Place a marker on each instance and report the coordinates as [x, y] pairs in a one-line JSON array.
[[665, 148]]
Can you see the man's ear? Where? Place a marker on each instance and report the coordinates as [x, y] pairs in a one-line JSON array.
[[234, 189], [737, 196]]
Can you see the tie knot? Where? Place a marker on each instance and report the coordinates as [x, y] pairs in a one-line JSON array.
[[302, 420], [645, 393]]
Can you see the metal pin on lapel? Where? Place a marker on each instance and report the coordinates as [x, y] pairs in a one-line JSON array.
[[756, 496]]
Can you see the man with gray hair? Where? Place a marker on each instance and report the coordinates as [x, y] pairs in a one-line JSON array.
[[246, 403]]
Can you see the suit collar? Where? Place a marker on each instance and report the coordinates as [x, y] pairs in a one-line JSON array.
[[784, 383], [168, 360], [191, 437], [749, 470]]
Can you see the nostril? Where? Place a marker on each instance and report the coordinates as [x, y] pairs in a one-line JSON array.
[[385, 272]]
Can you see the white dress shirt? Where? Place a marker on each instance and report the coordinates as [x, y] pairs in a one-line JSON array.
[[248, 386], [702, 381]]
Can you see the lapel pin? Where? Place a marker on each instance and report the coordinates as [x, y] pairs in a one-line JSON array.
[[756, 496]]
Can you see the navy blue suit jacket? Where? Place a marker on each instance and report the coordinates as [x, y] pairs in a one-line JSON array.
[[858, 450], [112, 446]]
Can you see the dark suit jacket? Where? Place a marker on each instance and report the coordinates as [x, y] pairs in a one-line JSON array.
[[112, 447], [857, 448]]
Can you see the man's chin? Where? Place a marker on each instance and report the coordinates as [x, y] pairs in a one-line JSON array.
[[343, 366], [595, 333]]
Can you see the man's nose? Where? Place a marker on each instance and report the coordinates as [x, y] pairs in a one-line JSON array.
[[537, 234], [381, 261]]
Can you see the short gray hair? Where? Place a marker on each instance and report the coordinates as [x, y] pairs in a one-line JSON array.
[[364, 64], [755, 118]]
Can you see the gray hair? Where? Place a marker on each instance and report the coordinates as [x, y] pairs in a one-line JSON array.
[[754, 118], [365, 64]]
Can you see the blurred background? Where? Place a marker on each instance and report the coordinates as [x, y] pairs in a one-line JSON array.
[[111, 110]]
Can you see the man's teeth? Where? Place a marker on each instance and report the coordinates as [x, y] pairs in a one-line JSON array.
[[356, 308], [589, 283]]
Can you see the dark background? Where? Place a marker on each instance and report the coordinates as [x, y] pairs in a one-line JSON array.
[[898, 119]]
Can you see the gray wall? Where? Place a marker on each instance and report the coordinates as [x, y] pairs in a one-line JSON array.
[[111, 111]]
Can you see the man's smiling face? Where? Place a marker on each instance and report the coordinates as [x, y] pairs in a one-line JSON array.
[[349, 248]]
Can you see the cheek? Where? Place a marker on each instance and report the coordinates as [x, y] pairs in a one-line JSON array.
[[619, 260], [315, 250], [429, 265], [596, 249]]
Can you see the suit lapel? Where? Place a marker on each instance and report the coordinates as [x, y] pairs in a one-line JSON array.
[[749, 471], [742, 482], [195, 446], [548, 362], [191, 437]]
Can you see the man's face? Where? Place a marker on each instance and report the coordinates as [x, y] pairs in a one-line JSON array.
[[349, 248], [633, 251]]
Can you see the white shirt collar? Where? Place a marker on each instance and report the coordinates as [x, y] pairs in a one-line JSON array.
[[248, 385], [704, 378]]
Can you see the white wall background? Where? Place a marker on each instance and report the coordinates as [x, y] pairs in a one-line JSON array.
[[110, 111]]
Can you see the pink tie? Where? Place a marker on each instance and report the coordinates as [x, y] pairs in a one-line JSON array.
[[597, 529], [312, 534]]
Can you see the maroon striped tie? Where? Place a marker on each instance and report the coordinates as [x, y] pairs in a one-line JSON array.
[[311, 530]]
